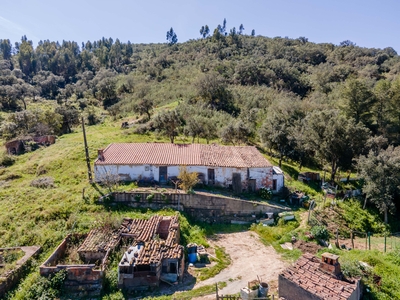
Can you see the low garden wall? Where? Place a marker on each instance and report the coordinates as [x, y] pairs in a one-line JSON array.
[[11, 278], [201, 206]]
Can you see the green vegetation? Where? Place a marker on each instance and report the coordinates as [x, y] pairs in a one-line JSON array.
[[384, 265], [201, 291], [222, 261], [309, 106], [187, 179], [360, 219], [276, 235]]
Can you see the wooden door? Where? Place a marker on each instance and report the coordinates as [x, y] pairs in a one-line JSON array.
[[163, 175], [211, 176]]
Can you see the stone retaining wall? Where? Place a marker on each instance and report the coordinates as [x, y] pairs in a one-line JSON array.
[[201, 206]]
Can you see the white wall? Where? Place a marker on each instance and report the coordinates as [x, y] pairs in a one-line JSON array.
[[263, 176], [223, 176], [279, 181]]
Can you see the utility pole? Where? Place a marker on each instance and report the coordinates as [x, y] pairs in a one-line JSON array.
[[87, 152]]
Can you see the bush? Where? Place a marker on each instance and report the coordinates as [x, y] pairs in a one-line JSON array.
[[150, 198], [43, 182], [7, 160], [48, 288], [265, 193], [320, 232], [187, 179]]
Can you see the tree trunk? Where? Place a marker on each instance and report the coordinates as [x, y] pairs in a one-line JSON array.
[[23, 101], [365, 203], [280, 161], [333, 171], [386, 214]]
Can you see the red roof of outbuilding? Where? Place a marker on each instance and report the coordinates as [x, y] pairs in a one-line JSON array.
[[182, 154], [307, 275]]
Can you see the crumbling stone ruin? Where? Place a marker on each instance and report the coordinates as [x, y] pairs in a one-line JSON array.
[[85, 265], [155, 253], [20, 145], [12, 271]]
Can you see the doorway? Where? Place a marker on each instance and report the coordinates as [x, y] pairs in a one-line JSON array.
[[211, 176], [163, 175]]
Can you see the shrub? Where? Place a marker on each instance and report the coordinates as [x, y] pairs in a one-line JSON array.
[[48, 288], [43, 182], [320, 232], [265, 193], [150, 198], [7, 160], [187, 180]]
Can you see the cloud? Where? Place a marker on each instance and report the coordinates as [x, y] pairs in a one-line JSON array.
[[8, 27]]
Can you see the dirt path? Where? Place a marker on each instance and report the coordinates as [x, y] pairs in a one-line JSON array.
[[250, 257]]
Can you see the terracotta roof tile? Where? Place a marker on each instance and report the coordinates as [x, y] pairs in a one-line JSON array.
[[100, 240], [306, 274], [154, 250], [182, 154]]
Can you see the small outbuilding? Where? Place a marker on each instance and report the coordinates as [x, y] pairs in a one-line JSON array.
[[313, 278], [154, 255], [238, 167], [22, 144]]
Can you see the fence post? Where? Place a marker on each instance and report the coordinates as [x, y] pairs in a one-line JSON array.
[[369, 240], [385, 242], [216, 290], [366, 240], [352, 239]]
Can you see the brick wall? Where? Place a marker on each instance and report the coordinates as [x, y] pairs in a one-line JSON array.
[[81, 280], [291, 291]]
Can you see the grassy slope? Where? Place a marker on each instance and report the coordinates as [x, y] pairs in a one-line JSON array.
[[44, 216]]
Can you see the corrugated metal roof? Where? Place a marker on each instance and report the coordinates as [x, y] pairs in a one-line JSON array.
[[182, 154]]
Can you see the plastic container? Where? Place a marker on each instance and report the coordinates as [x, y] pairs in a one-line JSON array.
[[263, 290], [192, 257]]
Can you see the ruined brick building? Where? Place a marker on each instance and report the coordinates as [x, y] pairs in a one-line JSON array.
[[154, 255], [312, 278], [20, 145]]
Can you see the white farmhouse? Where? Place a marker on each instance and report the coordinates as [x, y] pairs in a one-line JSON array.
[[243, 168]]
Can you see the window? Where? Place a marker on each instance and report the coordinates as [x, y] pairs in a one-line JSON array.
[[173, 267]]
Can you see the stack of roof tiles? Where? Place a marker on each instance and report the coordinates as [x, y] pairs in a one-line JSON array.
[[182, 154], [154, 249], [100, 240], [307, 274]]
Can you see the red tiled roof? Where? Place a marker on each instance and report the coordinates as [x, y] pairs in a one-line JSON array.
[[183, 154], [306, 274], [143, 231]]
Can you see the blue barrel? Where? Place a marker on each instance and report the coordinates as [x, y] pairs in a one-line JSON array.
[[192, 257], [192, 248]]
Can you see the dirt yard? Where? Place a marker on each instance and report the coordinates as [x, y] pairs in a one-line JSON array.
[[250, 257]]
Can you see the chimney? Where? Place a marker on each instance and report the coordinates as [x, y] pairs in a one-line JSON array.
[[330, 264], [100, 154]]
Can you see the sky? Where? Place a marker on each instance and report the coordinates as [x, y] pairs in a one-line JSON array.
[[373, 24]]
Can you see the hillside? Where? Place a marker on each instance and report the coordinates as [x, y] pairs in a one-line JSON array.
[[315, 105]]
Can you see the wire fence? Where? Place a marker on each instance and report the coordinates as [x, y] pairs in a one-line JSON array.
[[352, 239]]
